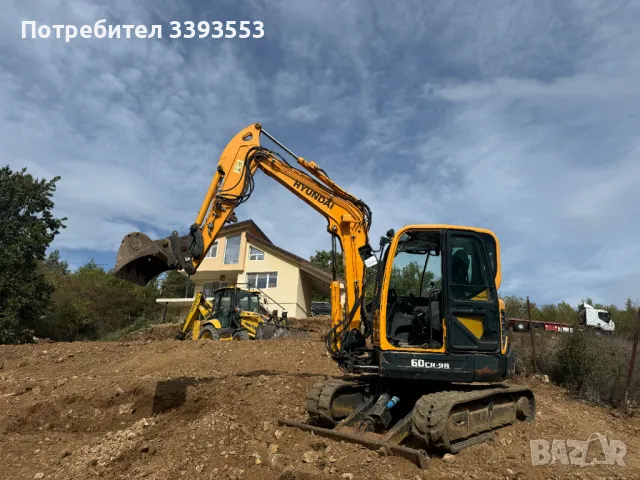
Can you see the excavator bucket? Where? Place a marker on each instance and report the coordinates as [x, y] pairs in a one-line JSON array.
[[141, 259]]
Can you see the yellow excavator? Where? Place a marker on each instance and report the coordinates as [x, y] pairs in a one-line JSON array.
[[426, 355]]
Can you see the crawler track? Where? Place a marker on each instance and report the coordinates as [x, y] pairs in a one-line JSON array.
[[453, 420], [446, 421], [320, 400]]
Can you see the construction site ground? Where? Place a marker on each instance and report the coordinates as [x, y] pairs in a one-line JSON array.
[[157, 408]]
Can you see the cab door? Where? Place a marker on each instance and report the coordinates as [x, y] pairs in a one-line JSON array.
[[472, 309], [222, 308]]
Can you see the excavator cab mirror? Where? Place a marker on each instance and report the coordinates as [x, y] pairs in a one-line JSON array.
[[384, 240], [366, 253]]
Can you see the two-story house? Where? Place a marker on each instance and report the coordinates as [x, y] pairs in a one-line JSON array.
[[243, 255]]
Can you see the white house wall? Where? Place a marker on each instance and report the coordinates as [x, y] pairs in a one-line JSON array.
[[286, 292]]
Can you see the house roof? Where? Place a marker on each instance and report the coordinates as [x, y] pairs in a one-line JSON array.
[[320, 277], [244, 225]]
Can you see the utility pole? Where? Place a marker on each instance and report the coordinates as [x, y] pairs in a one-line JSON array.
[[533, 344], [632, 362]]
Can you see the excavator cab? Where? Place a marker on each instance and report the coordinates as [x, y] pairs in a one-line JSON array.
[[414, 293], [438, 304]]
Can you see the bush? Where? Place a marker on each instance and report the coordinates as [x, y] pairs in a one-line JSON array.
[[547, 345], [593, 367], [91, 303], [574, 361]]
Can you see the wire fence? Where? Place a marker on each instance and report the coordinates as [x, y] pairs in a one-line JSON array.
[[596, 366]]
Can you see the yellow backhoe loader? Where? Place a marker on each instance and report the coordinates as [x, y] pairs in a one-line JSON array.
[[426, 355], [234, 314]]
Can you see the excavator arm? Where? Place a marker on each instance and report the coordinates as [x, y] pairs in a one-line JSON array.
[[140, 259]]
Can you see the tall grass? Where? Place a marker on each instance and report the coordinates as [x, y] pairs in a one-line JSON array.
[[593, 367]]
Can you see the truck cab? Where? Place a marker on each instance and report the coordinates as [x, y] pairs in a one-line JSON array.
[[596, 318]]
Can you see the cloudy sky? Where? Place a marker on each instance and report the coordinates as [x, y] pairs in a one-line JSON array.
[[519, 116]]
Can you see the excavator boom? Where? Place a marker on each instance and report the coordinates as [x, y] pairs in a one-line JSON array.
[[141, 259]]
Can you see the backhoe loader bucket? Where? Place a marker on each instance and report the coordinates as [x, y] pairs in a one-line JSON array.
[[141, 259], [269, 331]]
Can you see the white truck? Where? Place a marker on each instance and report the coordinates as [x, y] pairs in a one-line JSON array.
[[590, 317], [596, 318]]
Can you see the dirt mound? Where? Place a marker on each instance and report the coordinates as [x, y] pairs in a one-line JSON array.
[[314, 327], [318, 326], [162, 331], [169, 409]]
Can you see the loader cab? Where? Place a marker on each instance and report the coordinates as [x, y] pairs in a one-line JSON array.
[[439, 291], [227, 300], [222, 306]]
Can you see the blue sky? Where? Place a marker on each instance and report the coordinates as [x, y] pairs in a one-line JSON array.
[[521, 117]]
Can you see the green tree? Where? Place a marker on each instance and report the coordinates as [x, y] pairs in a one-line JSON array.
[[90, 303], [323, 260], [176, 285], [516, 307], [408, 279], [54, 264], [27, 228]]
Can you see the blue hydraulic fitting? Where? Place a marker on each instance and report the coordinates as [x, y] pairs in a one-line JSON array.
[[392, 403]]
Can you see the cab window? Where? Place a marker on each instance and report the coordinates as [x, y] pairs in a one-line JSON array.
[[470, 279]]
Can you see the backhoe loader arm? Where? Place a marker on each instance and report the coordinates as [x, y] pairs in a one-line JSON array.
[[199, 306], [141, 259]]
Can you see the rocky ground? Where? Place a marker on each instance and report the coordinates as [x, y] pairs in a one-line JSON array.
[[156, 408]]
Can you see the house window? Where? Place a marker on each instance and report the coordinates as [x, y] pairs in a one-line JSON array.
[[213, 251], [209, 287], [232, 250], [262, 280], [255, 254]]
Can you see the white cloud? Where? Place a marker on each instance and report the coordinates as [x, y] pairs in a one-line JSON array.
[[304, 113], [518, 117], [580, 86]]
